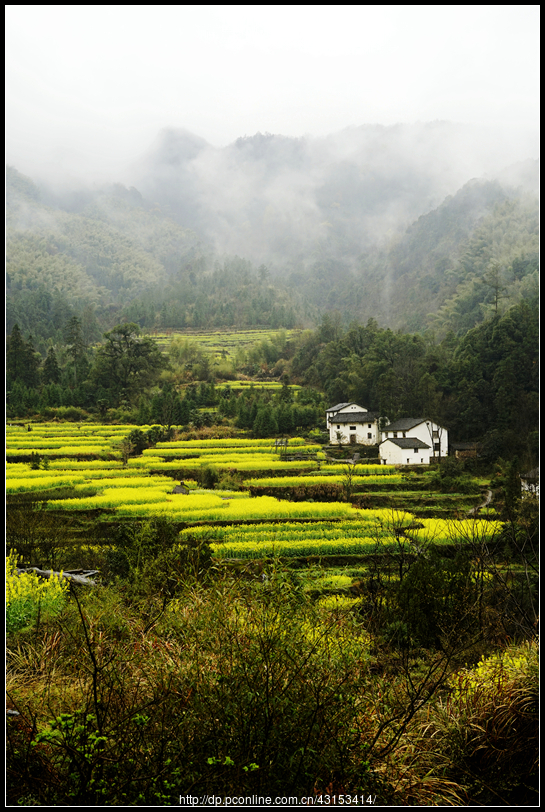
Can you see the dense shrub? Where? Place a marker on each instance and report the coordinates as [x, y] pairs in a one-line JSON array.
[[487, 729], [241, 692], [208, 476]]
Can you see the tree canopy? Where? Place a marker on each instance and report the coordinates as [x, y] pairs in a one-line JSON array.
[[127, 363]]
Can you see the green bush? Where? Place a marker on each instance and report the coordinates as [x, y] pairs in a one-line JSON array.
[[208, 477], [436, 600], [238, 690], [451, 477]]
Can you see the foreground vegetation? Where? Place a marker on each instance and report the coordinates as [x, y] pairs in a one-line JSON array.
[[238, 688], [236, 644]]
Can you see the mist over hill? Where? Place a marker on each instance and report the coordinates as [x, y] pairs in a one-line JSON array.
[[275, 199], [422, 227]]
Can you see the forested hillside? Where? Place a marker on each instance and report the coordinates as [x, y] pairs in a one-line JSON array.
[[474, 255], [484, 385], [110, 255], [118, 258]]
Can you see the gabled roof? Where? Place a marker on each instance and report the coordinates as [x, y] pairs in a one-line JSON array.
[[406, 423], [406, 442], [354, 417], [340, 406]]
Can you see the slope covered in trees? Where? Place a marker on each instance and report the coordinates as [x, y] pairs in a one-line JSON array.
[[483, 386], [110, 255], [476, 254], [114, 256]]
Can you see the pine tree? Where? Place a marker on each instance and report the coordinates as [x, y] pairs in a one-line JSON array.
[[265, 424], [76, 346], [32, 365], [16, 357], [51, 372], [284, 418]]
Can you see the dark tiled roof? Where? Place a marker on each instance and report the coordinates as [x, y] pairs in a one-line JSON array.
[[406, 442], [340, 406], [354, 417], [405, 423]]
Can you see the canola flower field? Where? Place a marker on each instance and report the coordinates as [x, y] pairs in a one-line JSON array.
[[27, 595], [362, 533], [237, 386], [235, 523], [60, 440], [336, 479]]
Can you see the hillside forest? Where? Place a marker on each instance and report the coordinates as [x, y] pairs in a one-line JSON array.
[[483, 386]]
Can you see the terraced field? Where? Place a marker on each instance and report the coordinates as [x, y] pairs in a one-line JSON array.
[[291, 502], [222, 344]]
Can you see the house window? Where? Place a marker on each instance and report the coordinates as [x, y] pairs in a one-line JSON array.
[[408, 462], [415, 450], [338, 427], [421, 460], [369, 425], [395, 433], [352, 428], [404, 433], [369, 435], [435, 435], [436, 446]]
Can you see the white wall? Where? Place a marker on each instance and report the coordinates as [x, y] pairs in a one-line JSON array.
[[392, 454], [362, 431], [423, 432]]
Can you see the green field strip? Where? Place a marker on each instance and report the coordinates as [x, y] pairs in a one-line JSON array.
[[295, 548], [245, 385]]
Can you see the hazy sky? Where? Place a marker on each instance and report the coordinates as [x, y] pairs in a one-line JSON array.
[[89, 87]]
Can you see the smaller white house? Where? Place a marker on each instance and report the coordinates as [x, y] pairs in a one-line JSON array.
[[349, 423], [529, 483], [419, 428], [404, 451]]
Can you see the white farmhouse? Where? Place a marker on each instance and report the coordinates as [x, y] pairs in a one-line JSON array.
[[404, 451], [409, 429], [530, 483], [349, 423]]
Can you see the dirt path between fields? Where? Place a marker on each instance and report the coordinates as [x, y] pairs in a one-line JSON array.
[[474, 511]]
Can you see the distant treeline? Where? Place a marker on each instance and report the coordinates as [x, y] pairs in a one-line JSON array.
[[122, 379], [483, 386]]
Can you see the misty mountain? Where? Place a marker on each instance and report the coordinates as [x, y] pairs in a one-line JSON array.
[[275, 199], [109, 255], [438, 274], [374, 222]]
